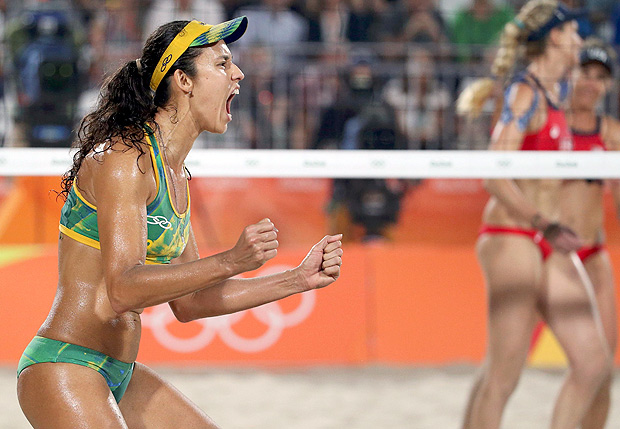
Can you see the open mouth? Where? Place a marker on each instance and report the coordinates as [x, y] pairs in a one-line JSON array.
[[229, 101]]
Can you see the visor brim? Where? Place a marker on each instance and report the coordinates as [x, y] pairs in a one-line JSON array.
[[229, 31]]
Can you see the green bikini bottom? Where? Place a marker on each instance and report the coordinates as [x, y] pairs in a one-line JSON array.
[[116, 373]]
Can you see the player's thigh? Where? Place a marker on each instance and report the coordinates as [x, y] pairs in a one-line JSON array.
[[513, 272], [65, 395], [569, 313], [600, 272], [151, 402]]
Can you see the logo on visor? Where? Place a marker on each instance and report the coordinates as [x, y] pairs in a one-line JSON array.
[[165, 62]]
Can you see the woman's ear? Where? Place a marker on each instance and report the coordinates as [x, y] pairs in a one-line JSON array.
[[608, 83], [183, 81], [555, 35]]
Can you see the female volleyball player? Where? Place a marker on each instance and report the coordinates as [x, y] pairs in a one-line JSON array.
[[521, 233], [582, 200], [126, 242]]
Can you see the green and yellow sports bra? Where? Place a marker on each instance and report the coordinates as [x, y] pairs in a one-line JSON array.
[[168, 231]]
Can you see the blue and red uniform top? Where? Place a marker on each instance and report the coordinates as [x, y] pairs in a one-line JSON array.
[[585, 141], [555, 133]]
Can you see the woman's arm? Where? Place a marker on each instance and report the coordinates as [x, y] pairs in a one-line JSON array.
[[319, 268], [508, 135], [612, 142], [122, 187]]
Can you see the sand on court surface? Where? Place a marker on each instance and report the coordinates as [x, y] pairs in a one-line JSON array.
[[339, 398]]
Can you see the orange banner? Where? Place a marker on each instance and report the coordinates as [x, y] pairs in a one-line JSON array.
[[417, 300], [430, 304], [403, 304], [326, 326]]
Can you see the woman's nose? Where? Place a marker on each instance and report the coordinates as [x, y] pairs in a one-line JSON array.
[[237, 73]]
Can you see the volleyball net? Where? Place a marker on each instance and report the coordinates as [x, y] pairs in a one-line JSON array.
[[454, 164]]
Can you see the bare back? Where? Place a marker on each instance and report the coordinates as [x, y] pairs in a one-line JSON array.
[[544, 194], [514, 202]]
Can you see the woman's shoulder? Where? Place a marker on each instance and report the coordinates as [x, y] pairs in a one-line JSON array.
[[121, 152], [521, 96], [117, 162]]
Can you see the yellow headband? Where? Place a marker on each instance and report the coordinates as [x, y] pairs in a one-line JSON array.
[[176, 48]]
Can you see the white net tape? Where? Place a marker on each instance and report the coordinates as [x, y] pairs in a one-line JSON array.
[[351, 164]]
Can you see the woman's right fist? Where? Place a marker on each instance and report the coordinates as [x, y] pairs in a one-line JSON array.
[[257, 244]]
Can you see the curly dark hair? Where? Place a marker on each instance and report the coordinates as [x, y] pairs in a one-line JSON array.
[[126, 102]]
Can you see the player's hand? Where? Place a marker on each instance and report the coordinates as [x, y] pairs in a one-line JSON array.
[[321, 267], [257, 244], [562, 238]]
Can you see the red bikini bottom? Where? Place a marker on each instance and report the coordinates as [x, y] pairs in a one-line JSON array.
[[537, 237]]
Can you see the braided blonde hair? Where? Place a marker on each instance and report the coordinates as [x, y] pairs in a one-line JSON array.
[[512, 45]]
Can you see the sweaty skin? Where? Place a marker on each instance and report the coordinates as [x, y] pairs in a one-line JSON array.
[[101, 293]]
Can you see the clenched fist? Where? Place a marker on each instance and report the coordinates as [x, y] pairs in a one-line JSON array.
[[321, 266], [257, 244]]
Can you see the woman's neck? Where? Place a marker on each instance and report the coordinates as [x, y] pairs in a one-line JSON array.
[[581, 117], [177, 133], [582, 109], [549, 71]]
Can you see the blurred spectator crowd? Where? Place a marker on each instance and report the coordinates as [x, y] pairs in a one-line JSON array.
[[319, 73]]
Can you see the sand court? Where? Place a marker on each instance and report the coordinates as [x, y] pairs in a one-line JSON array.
[[337, 397]]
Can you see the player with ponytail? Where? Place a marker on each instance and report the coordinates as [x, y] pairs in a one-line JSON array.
[[522, 248], [126, 241]]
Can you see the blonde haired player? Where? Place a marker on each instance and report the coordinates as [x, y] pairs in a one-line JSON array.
[[521, 234]]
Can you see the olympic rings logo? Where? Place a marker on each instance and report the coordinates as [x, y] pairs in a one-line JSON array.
[[159, 318], [159, 220], [165, 62]]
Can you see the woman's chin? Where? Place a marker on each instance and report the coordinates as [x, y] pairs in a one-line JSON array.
[[218, 129]]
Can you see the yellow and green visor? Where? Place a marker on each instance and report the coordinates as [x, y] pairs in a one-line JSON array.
[[196, 34]]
